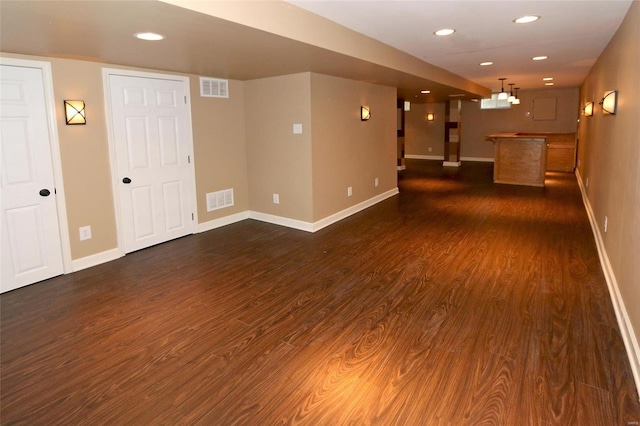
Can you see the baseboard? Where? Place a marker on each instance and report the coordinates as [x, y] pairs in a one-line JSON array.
[[424, 157], [330, 220], [400, 168], [451, 163], [223, 221], [95, 259], [323, 223], [626, 328], [440, 157], [282, 221], [478, 159]]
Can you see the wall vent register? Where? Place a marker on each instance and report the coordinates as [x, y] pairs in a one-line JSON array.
[[214, 87], [219, 200]]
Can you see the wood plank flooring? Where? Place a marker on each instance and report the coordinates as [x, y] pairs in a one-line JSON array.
[[457, 302]]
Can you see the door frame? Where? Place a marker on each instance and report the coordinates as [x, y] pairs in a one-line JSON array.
[[115, 181], [54, 144]]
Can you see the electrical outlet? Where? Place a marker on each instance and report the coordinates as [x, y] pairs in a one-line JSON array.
[[606, 223], [430, 149], [85, 233], [376, 182], [349, 191], [276, 198]]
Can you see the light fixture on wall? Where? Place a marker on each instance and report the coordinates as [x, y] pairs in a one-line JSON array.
[[503, 95], [588, 109], [609, 102], [516, 101], [430, 116], [365, 113], [74, 112]]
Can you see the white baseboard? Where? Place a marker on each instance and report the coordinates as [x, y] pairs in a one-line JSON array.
[[451, 163], [424, 157], [223, 221], [336, 217], [282, 221], [440, 157], [402, 168], [626, 328], [95, 259], [478, 159], [322, 223]]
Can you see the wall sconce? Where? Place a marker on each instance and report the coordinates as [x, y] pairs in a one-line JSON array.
[[430, 116], [609, 102], [365, 113], [588, 109], [74, 112]]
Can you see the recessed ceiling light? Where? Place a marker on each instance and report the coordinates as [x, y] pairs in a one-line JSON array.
[[445, 32], [425, 91], [547, 79], [526, 19], [484, 64], [149, 36], [548, 84], [539, 58]]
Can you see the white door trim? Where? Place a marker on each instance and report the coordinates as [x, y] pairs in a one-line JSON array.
[[63, 224], [115, 182]]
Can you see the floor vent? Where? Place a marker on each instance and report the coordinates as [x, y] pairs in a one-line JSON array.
[[214, 87], [219, 200]]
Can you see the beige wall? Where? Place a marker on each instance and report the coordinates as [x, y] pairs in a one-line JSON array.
[[609, 157], [279, 162], [348, 152], [220, 149], [476, 122], [245, 142], [84, 153], [420, 134], [219, 145]]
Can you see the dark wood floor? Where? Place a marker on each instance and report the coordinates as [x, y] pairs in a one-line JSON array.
[[457, 302]]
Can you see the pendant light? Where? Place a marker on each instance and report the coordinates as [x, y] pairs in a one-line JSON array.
[[502, 95], [511, 97], [516, 101]]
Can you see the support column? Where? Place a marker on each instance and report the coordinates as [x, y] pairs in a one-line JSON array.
[[452, 128], [400, 152]]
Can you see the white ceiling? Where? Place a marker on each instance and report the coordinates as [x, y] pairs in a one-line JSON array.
[[571, 33]]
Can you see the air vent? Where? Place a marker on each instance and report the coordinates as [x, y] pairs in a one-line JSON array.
[[214, 87], [219, 200]]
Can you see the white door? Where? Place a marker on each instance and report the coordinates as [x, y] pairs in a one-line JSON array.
[[153, 155], [31, 249]]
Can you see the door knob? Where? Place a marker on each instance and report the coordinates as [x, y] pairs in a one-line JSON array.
[[44, 192], [126, 180]]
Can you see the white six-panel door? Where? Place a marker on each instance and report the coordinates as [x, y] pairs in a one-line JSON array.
[[31, 248], [153, 154]]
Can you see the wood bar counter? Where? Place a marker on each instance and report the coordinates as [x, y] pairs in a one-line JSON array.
[[520, 159]]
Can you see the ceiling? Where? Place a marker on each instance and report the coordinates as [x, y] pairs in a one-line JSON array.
[[571, 33]]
